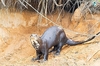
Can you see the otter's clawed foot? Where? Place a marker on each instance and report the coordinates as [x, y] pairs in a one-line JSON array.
[[34, 59]]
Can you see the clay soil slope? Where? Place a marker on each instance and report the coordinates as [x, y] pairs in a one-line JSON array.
[[16, 48]]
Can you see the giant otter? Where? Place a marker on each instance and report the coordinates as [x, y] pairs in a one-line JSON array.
[[52, 37]]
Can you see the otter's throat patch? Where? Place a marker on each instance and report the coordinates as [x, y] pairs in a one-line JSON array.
[[35, 44], [34, 41]]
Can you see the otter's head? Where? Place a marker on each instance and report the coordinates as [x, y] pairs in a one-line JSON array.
[[34, 41]]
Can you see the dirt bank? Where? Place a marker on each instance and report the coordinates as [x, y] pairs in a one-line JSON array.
[[16, 49]]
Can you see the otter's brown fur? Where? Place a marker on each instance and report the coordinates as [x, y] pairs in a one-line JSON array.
[[52, 37]]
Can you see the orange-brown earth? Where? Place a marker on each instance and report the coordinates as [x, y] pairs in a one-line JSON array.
[[16, 48]]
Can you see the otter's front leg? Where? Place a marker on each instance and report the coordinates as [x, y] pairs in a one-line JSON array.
[[45, 52], [38, 56], [45, 56]]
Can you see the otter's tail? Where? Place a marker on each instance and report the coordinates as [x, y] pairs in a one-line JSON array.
[[72, 43]]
